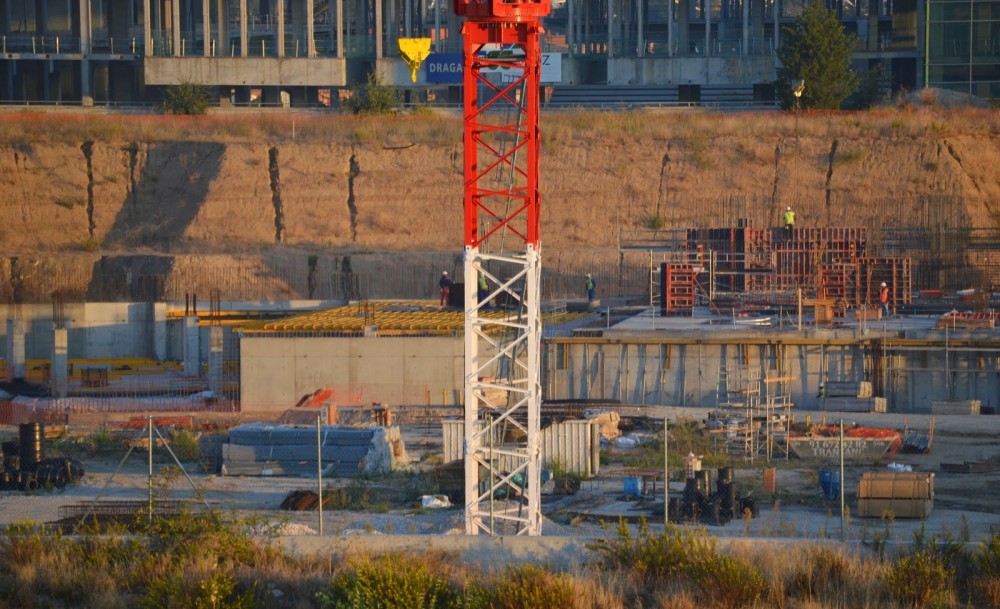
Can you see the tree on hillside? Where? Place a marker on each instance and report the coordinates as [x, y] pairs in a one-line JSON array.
[[817, 50]]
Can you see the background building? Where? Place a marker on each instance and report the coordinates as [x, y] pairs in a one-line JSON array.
[[304, 52]]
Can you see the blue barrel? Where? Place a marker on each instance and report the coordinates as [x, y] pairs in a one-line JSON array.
[[829, 482], [633, 486]]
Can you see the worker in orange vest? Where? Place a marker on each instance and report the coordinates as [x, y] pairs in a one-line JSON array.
[[883, 298]]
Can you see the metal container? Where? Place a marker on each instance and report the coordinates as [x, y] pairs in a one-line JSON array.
[[32, 444]]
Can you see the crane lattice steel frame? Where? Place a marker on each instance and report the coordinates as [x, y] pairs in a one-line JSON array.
[[501, 233]]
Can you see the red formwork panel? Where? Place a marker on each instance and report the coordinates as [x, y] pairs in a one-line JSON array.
[[896, 272], [678, 288]]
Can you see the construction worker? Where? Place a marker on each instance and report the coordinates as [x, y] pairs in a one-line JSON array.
[[591, 287], [484, 290], [445, 284], [789, 221], [883, 299], [822, 391]]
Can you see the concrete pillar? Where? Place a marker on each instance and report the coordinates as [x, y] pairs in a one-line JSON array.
[[683, 27], [58, 365], [745, 47], [159, 333], [570, 28], [244, 43], [873, 25], [215, 360], [310, 29], [85, 49], [777, 24], [392, 23], [670, 29], [147, 26], [206, 28], [15, 349], [192, 358], [175, 26], [641, 34], [280, 10], [222, 46], [707, 10], [757, 18], [611, 28], [378, 28], [342, 31]]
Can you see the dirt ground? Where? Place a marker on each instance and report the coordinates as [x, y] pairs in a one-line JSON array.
[[966, 506]]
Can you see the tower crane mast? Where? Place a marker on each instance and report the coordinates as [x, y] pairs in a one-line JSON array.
[[501, 58]]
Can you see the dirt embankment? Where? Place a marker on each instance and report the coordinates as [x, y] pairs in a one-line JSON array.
[[378, 189]]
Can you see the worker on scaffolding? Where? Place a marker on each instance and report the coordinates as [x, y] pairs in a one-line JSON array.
[[445, 284], [591, 288], [484, 290], [883, 299], [789, 221]]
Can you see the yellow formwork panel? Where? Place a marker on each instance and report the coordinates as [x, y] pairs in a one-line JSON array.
[[397, 318]]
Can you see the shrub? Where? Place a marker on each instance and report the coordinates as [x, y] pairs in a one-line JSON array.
[[197, 591], [824, 573], [389, 582], [187, 98], [729, 582], [920, 580], [523, 586], [185, 445], [372, 97]]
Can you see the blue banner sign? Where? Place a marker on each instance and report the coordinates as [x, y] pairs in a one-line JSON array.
[[444, 67]]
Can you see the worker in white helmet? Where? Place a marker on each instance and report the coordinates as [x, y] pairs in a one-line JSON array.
[[883, 299], [789, 221], [591, 288], [445, 284]]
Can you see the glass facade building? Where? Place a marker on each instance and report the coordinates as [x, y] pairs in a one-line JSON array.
[[963, 46]]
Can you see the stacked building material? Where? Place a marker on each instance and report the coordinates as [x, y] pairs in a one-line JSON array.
[[955, 406], [274, 450], [902, 494]]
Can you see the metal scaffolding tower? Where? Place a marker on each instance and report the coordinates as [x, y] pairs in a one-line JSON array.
[[502, 67]]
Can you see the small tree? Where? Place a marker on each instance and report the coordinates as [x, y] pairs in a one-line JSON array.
[[187, 98], [817, 50], [372, 97]]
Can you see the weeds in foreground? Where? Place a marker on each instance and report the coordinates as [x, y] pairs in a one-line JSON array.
[[207, 560]]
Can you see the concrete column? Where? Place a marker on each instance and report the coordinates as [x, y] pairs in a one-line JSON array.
[[192, 359], [175, 26], [147, 28], [777, 24], [757, 18], [408, 19], [745, 48], [280, 10], [342, 31], [391, 20], [641, 34], [707, 10], [244, 41], [58, 365], [670, 28], [222, 46], [873, 6], [206, 28], [611, 28], [378, 28], [683, 27], [15, 349], [85, 50], [310, 29], [570, 28], [215, 360], [159, 318]]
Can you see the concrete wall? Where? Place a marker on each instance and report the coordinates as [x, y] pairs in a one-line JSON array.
[[697, 70], [636, 372], [276, 372], [270, 71], [96, 330]]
